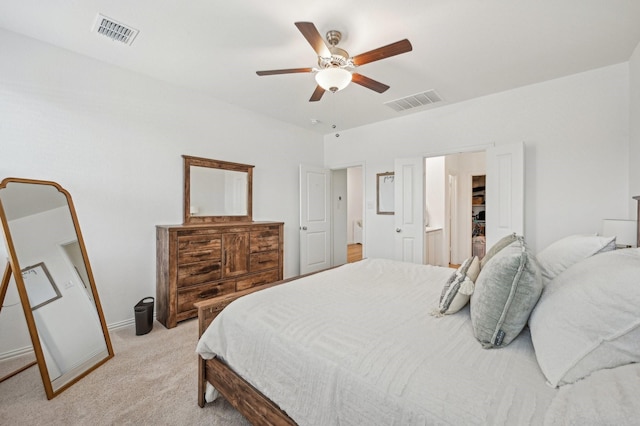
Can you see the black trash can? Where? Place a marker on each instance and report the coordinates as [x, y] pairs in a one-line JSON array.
[[144, 315]]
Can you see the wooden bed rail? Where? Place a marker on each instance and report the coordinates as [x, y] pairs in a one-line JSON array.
[[253, 405], [249, 401]]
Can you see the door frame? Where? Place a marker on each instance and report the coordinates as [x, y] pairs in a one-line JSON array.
[[446, 235], [344, 166]]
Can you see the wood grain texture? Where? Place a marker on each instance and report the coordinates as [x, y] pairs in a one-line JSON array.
[[253, 405], [393, 49], [190, 161], [354, 253], [201, 261]]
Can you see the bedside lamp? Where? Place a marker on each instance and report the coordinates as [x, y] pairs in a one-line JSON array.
[[624, 230]]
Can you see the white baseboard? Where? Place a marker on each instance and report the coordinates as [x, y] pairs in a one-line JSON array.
[[14, 353], [121, 324], [125, 323]]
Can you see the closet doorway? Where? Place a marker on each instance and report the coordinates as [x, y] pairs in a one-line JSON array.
[[451, 218]]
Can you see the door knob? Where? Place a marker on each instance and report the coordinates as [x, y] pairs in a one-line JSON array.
[[304, 228], [398, 230]]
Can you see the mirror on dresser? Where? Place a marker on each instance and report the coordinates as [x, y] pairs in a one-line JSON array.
[[51, 271], [217, 191], [218, 250]]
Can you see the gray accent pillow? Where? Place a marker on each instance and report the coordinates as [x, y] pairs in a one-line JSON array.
[[502, 243], [507, 290], [459, 287]]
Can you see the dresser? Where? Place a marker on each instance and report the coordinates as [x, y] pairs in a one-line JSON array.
[[196, 262]]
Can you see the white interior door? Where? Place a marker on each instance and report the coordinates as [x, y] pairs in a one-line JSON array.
[[409, 209], [505, 192], [315, 219]]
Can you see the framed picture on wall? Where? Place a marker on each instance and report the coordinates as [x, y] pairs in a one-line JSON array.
[[385, 191], [41, 289]]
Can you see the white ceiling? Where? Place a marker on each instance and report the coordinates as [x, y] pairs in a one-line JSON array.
[[461, 48]]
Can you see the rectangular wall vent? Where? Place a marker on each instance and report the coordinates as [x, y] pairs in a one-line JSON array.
[[115, 30], [420, 99]]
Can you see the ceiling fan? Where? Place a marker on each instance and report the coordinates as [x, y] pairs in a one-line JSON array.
[[335, 66]]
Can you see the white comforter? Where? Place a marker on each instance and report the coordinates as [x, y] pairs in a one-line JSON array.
[[357, 345], [607, 397]]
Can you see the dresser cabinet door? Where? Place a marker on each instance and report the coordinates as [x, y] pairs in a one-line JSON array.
[[235, 258]]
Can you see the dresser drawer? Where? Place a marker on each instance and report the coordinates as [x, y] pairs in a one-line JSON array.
[[199, 272], [200, 261], [188, 296], [196, 248], [266, 240], [262, 261], [257, 279]]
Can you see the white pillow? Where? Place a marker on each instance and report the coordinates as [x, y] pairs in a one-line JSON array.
[[588, 318], [570, 250]]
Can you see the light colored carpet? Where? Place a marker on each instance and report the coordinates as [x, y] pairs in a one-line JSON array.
[[151, 380]]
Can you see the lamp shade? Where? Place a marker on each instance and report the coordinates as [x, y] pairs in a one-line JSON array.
[[333, 79], [625, 231]]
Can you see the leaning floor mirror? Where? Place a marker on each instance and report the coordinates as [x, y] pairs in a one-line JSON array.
[[49, 265]]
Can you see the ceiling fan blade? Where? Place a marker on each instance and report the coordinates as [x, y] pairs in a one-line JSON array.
[[402, 46], [368, 83], [285, 71], [317, 94], [310, 32]]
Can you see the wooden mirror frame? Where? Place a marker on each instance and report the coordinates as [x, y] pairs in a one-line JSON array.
[[13, 267], [215, 164]]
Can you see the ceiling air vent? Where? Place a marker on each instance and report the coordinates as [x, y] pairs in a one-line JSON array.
[[114, 30], [413, 101]]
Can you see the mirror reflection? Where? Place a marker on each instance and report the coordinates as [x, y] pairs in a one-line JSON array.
[[47, 248], [217, 192]]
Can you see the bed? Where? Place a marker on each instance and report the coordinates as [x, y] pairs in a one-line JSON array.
[[385, 342]]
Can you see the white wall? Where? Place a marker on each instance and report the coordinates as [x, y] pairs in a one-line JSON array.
[[575, 131], [114, 140], [634, 129]]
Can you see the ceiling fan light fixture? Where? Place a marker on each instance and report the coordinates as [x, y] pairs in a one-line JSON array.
[[333, 79]]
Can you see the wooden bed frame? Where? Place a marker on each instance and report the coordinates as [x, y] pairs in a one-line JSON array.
[[249, 401]]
